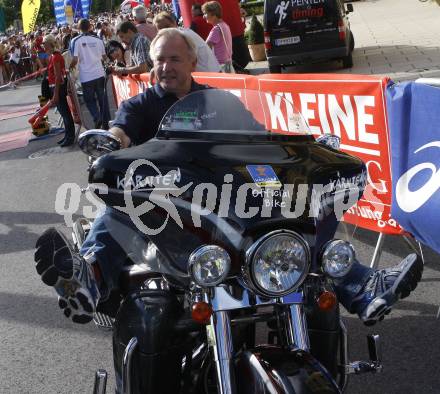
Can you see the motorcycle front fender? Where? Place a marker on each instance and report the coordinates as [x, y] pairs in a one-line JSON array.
[[271, 369]]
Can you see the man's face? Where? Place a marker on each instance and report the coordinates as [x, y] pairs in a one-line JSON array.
[[173, 65], [126, 38]]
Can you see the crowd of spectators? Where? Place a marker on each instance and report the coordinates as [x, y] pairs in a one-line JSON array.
[[108, 44], [23, 54], [126, 38]]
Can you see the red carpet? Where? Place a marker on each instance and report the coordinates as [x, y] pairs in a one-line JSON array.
[[15, 140], [10, 112]]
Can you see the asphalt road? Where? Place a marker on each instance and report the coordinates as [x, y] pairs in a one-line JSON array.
[[42, 352]]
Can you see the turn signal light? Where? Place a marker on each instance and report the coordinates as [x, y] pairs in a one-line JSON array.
[[327, 300], [201, 312]]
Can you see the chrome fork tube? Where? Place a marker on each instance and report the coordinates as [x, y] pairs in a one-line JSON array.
[[343, 349], [126, 365], [223, 352], [100, 382], [296, 328]]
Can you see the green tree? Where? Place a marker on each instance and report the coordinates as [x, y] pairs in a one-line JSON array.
[[46, 13], [98, 6], [105, 5], [11, 10]]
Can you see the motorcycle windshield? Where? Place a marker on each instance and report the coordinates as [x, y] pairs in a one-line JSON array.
[[238, 115]]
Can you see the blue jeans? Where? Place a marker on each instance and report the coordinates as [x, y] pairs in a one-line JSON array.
[[105, 245], [111, 228], [93, 91], [64, 110]]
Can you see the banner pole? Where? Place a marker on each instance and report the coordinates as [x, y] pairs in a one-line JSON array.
[[415, 245], [377, 251]]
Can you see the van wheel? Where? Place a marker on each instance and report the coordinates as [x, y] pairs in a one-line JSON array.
[[351, 41], [347, 61], [275, 69]]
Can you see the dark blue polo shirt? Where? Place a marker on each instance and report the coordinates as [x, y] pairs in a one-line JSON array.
[[140, 116]]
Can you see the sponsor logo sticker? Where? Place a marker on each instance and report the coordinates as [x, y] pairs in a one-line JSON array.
[[263, 175]]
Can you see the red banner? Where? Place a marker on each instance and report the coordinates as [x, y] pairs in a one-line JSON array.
[[350, 106]]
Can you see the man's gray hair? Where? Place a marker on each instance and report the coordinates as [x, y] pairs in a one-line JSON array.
[[139, 13], [172, 33]]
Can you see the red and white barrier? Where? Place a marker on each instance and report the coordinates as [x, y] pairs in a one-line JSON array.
[[25, 78]]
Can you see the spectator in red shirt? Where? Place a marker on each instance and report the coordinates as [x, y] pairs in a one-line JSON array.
[[198, 23], [38, 47], [56, 72]]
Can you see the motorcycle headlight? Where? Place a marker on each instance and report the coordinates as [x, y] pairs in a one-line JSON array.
[[278, 263], [337, 258], [209, 265]]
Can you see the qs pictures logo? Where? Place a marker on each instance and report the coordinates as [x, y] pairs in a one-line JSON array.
[[411, 200]]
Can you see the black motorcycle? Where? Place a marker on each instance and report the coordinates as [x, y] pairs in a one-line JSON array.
[[227, 287]]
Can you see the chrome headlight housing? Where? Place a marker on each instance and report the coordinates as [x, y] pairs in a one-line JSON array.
[[277, 263], [337, 258], [209, 265]]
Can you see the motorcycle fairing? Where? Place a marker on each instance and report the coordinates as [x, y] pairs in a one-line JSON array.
[[151, 316], [295, 160]]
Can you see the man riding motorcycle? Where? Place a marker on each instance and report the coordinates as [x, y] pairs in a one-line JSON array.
[[82, 280]]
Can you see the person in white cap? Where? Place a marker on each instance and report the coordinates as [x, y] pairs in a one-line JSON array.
[[143, 26]]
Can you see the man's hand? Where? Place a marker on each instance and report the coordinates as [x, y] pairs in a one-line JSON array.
[[119, 71], [140, 69], [119, 133]]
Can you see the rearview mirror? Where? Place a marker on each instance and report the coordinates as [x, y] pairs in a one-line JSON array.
[[97, 142], [333, 141], [349, 8]]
